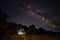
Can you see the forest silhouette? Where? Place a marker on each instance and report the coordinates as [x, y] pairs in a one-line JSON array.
[[12, 28]]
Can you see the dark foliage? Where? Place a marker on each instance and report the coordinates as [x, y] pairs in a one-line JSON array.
[[12, 28]]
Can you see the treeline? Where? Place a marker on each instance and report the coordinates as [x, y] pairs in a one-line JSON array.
[[12, 28]]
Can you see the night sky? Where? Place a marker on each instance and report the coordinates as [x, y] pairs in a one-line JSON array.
[[27, 12]]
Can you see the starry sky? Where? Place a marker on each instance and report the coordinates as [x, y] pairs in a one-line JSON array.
[[41, 13]]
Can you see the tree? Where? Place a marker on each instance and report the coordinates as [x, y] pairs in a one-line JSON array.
[[12, 27], [41, 31], [3, 22], [32, 29], [25, 28]]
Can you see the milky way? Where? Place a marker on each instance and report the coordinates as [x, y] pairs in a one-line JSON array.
[[34, 12], [42, 14]]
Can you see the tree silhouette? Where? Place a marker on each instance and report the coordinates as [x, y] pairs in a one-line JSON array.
[[32, 29], [23, 27], [12, 27], [41, 31], [3, 24], [3, 21], [20, 26]]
